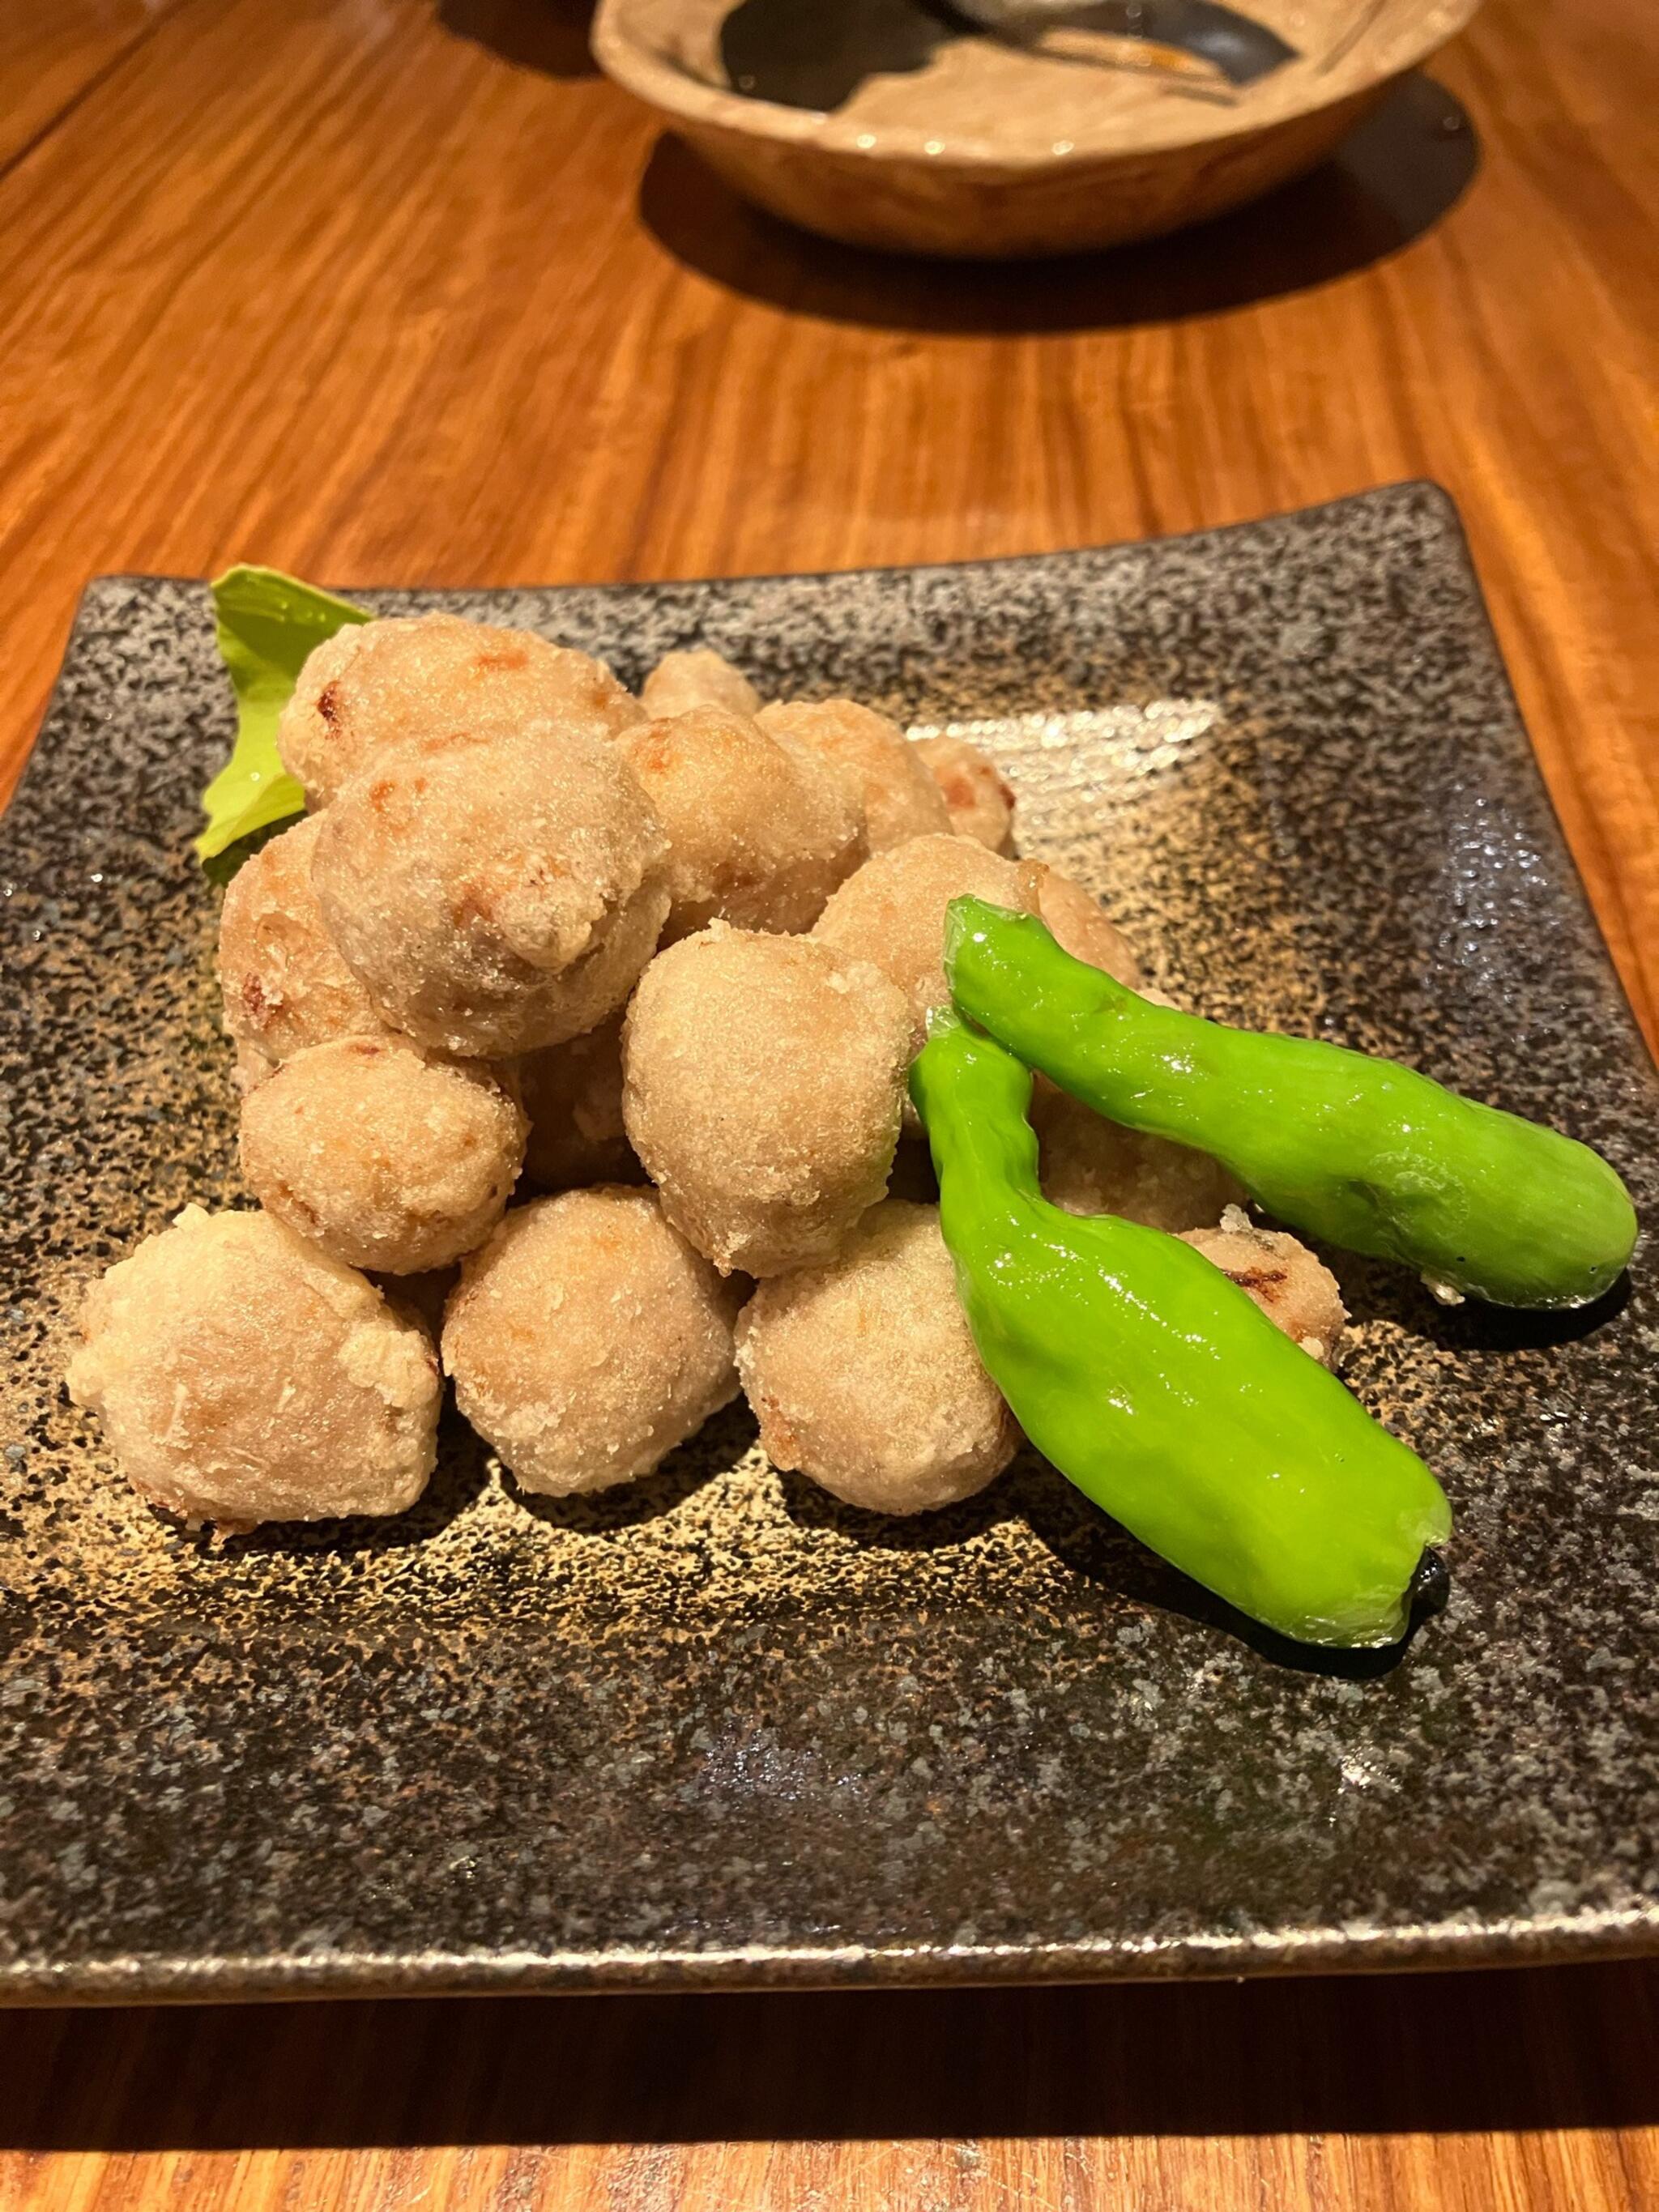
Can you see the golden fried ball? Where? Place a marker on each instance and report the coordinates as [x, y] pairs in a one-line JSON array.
[[863, 1374], [573, 1094], [700, 678], [892, 912], [378, 682], [1091, 1165], [494, 890], [1295, 1290], [759, 832], [243, 1376], [763, 1082], [1079, 923], [586, 1340], [285, 985], [982, 806], [901, 798], [386, 1156]]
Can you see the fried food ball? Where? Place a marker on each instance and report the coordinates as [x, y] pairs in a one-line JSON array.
[[573, 1094], [1091, 1165], [1294, 1288], [760, 831], [494, 890], [901, 798], [892, 912], [863, 1374], [1081, 925], [387, 1158], [699, 677], [980, 804], [408, 675], [586, 1340], [243, 1376], [763, 1082], [284, 983]]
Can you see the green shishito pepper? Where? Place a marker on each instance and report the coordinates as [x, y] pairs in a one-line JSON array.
[[1361, 1151], [1157, 1387]]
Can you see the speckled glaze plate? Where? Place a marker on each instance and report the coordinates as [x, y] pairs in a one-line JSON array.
[[719, 1731]]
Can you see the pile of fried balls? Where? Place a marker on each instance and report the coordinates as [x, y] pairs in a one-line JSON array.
[[572, 1033]]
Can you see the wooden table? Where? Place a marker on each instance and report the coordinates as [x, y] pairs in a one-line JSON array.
[[397, 291]]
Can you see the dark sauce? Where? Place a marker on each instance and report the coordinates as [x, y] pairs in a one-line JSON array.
[[817, 57]]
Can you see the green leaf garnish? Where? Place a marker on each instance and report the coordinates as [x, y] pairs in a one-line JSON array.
[[268, 623]]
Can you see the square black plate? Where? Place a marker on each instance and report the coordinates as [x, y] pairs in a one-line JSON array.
[[720, 1732]]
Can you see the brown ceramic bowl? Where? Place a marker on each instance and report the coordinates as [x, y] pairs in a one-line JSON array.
[[988, 150]]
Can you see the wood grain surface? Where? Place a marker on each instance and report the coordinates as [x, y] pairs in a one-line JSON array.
[[50, 58], [397, 291], [1446, 2093]]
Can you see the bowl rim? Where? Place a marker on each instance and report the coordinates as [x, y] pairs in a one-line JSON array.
[[639, 68]]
